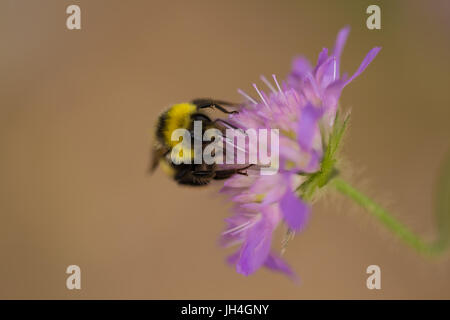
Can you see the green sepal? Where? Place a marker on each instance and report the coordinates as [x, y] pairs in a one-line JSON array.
[[327, 167]]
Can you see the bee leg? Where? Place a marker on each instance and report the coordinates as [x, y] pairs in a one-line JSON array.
[[241, 170], [224, 174], [209, 103], [219, 107], [191, 177], [202, 177], [202, 173]]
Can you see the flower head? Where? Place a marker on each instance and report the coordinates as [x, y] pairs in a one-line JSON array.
[[303, 109]]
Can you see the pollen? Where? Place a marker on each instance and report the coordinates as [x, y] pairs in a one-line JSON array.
[[259, 198]]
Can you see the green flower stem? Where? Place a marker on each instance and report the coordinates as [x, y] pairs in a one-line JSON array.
[[386, 218]]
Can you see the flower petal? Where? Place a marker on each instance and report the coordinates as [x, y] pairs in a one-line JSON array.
[[276, 263], [339, 46], [367, 60], [239, 181], [331, 96], [326, 72], [295, 211], [233, 258], [323, 55], [300, 67], [307, 126], [256, 247]]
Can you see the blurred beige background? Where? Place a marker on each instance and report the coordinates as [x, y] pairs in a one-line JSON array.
[[76, 119]]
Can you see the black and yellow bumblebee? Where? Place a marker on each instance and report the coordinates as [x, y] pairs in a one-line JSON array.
[[183, 115]]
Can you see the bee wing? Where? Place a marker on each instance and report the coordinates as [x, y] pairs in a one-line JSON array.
[[158, 152]]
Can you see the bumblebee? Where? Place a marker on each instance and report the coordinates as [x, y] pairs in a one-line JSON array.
[[183, 115]]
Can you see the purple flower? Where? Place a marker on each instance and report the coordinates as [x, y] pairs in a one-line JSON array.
[[323, 84], [303, 110]]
